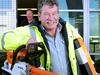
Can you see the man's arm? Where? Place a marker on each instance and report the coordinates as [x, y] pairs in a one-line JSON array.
[[12, 39], [85, 62]]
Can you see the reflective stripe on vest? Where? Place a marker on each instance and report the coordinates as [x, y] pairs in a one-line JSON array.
[[2, 40], [71, 51], [40, 39], [83, 57]]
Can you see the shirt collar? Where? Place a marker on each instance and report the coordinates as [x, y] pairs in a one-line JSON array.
[[59, 27]]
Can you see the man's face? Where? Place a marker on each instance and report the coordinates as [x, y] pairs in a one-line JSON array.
[[49, 16], [29, 15]]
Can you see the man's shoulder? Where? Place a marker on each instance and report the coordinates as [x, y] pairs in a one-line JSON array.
[[24, 22], [22, 29], [69, 25], [72, 28]]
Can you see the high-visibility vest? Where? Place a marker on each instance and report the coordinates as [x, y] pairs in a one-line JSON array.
[[71, 51], [21, 35]]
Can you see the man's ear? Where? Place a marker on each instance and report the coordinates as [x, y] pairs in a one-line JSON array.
[[39, 15]]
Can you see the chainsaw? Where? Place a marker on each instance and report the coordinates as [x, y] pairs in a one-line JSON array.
[[26, 61]]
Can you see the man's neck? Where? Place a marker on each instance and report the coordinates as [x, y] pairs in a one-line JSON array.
[[52, 32], [30, 20]]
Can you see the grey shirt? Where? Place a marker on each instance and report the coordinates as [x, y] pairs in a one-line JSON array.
[[58, 52]]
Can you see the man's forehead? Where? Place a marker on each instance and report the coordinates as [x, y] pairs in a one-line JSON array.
[[29, 12], [49, 7]]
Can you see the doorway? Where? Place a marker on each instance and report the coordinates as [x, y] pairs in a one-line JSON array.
[[22, 6]]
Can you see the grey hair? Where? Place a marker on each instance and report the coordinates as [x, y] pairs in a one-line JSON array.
[[46, 2]]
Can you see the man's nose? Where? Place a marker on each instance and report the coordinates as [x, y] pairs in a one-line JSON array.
[[51, 17]]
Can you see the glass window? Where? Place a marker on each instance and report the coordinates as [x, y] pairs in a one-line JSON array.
[[95, 4], [62, 4], [64, 15], [62, 9], [74, 4], [94, 39], [95, 32], [7, 15], [5, 4], [94, 23], [76, 19], [3, 13]]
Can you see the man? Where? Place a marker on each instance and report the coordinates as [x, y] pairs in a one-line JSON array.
[[29, 16], [65, 51]]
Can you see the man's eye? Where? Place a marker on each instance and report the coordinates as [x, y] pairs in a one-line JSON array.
[[46, 14], [54, 14]]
